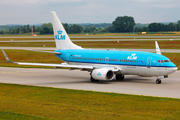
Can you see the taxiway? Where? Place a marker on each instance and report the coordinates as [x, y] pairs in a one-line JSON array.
[[63, 78]]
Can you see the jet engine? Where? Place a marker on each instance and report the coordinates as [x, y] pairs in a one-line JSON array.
[[102, 74]]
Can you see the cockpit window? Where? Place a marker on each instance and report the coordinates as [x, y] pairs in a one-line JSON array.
[[167, 61], [163, 61]]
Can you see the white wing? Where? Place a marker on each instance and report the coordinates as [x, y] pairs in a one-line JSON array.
[[57, 65], [82, 67]]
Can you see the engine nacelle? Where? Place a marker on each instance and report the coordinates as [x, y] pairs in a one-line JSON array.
[[102, 74]]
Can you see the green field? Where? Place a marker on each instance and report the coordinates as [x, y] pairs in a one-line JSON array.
[[164, 44], [28, 56], [26, 102], [130, 44]]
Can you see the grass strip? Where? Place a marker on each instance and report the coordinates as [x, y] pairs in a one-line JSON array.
[[164, 44], [52, 103], [14, 116], [28, 56]]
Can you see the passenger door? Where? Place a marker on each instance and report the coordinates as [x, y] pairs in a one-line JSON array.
[[148, 63]]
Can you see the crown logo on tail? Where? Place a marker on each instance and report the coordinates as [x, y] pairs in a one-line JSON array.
[[59, 32]]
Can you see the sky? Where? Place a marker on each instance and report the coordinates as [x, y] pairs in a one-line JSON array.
[[88, 11]]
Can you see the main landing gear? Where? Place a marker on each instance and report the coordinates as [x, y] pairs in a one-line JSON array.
[[119, 77], [158, 81], [93, 80]]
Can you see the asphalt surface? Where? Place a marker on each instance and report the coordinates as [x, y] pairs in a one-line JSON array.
[[61, 78]]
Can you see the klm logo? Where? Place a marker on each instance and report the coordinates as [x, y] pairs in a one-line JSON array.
[[132, 57], [99, 74], [60, 36]]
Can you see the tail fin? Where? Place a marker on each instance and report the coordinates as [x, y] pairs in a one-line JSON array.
[[158, 51], [61, 37]]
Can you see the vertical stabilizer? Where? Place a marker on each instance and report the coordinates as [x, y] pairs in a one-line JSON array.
[[158, 51], [61, 37]]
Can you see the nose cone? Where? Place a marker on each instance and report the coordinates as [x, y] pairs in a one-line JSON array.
[[172, 68]]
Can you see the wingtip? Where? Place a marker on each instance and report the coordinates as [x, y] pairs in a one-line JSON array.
[[6, 57], [53, 12], [158, 51]]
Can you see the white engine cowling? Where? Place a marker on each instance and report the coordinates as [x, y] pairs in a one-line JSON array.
[[102, 74]]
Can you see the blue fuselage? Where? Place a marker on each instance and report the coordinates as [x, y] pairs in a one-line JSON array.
[[112, 57]]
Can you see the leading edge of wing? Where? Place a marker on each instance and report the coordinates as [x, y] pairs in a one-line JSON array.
[[57, 65], [43, 51], [65, 65]]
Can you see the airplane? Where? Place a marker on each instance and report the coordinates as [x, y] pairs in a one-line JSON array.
[[103, 65]]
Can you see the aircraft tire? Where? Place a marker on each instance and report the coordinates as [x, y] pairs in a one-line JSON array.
[[93, 80], [158, 81], [119, 77]]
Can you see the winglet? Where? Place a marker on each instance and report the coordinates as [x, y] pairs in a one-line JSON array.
[[158, 51], [7, 58]]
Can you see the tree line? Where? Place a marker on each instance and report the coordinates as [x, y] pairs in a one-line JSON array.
[[121, 24], [46, 28], [159, 27]]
